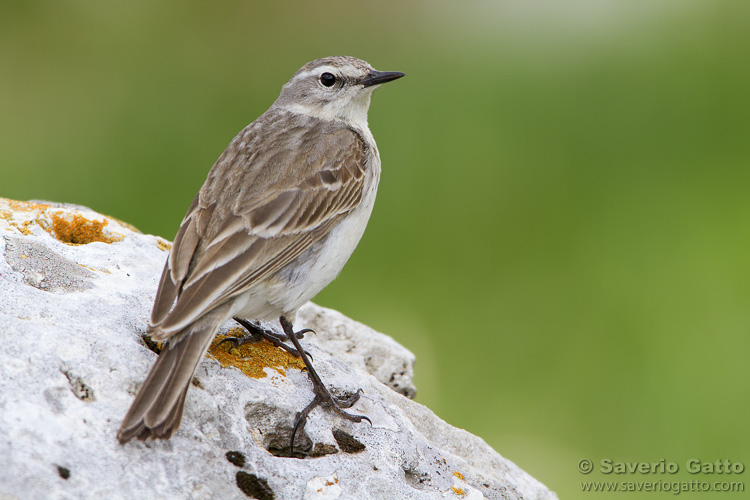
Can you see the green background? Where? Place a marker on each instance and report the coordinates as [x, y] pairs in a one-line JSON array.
[[562, 226]]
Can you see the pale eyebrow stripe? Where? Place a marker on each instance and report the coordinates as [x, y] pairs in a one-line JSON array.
[[330, 69]]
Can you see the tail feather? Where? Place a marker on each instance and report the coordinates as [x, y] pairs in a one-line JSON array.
[[157, 409]]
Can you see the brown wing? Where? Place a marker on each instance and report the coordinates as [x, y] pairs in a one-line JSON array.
[[281, 185]]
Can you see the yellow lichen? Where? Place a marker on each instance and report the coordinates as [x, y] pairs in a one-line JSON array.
[[25, 206], [7, 215], [251, 359], [163, 245], [78, 230], [458, 491], [459, 475], [100, 269], [25, 229]]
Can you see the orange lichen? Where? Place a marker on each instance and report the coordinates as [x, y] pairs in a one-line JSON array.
[[78, 230], [458, 491], [251, 359], [62, 222], [459, 475]]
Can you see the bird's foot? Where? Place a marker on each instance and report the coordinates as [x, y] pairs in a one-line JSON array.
[[323, 396], [329, 401], [257, 333]]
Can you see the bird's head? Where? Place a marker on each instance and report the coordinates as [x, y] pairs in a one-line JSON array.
[[334, 88]]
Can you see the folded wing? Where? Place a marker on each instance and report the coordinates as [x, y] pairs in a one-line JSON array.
[[275, 191]]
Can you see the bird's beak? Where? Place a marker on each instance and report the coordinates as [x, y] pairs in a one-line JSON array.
[[378, 77]]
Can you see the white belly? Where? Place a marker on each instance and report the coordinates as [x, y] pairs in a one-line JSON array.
[[311, 272]]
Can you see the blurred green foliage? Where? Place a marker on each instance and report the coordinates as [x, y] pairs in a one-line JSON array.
[[562, 228]]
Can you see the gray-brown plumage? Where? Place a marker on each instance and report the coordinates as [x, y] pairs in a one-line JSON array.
[[281, 211]]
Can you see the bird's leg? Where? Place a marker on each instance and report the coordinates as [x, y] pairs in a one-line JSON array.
[[323, 396], [256, 333]]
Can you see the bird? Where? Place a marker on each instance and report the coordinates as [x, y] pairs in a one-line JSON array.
[[281, 211]]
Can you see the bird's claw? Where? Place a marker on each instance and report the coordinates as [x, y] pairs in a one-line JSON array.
[[336, 404]]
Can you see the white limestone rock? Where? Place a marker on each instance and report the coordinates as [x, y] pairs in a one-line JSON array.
[[71, 324], [360, 346]]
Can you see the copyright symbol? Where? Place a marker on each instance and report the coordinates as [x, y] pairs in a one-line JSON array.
[[585, 466]]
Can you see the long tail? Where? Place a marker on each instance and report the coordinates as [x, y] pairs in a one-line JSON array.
[[157, 409]]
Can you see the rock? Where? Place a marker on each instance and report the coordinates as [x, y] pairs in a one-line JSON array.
[[76, 290], [361, 347]]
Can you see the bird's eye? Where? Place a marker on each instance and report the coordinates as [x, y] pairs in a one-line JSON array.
[[327, 79]]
